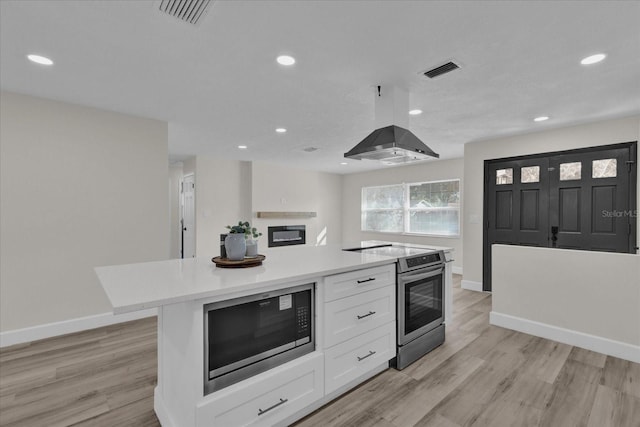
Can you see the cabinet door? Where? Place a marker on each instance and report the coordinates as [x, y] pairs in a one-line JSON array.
[[347, 361], [266, 399], [355, 282], [348, 317]]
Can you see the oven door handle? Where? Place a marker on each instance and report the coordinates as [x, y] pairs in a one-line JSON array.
[[406, 278]]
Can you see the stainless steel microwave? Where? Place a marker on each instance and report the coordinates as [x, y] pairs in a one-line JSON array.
[[249, 335]]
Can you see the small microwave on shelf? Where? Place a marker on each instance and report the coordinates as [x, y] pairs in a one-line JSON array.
[[249, 335]]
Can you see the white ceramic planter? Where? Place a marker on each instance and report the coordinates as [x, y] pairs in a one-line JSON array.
[[236, 246]]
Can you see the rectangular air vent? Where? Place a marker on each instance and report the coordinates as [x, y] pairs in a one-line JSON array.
[[442, 69], [189, 11]]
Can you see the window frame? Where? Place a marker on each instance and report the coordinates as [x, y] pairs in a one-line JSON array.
[[406, 209]]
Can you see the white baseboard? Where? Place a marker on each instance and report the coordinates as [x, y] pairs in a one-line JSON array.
[[456, 270], [33, 333], [161, 410], [471, 285], [567, 336]]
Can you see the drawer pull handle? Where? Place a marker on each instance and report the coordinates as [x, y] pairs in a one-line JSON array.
[[371, 353], [370, 313], [282, 402], [370, 279]]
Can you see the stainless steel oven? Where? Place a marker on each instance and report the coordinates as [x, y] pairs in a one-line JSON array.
[[249, 335], [420, 306]]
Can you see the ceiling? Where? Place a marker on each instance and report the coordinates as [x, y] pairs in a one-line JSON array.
[[218, 85]]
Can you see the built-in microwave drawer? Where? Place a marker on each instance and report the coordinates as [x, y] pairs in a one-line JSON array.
[[347, 361], [266, 399], [348, 317], [354, 282]]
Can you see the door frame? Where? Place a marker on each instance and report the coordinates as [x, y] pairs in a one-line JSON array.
[[632, 146], [182, 209]]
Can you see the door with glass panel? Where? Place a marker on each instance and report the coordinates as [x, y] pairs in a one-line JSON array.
[[517, 204], [589, 201], [581, 199]]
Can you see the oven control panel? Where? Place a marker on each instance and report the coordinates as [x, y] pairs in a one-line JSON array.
[[424, 260]]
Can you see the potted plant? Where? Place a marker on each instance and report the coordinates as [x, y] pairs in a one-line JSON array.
[[237, 244], [252, 235]]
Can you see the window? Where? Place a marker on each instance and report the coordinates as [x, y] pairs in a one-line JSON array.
[[429, 208], [382, 208], [605, 168], [570, 171], [530, 174], [504, 176]]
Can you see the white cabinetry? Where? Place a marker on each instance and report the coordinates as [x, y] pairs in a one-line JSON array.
[[355, 338], [268, 398], [349, 317], [355, 282], [352, 359], [359, 324]]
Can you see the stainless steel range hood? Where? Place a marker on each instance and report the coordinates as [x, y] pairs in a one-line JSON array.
[[391, 143]]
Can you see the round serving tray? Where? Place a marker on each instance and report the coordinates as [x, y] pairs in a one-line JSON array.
[[247, 262]]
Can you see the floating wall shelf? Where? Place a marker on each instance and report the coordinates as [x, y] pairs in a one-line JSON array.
[[264, 214]]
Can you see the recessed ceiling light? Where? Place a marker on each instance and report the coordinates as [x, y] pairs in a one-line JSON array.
[[242, 147], [541, 119], [38, 59], [415, 112], [593, 59], [344, 163], [281, 130], [286, 60]]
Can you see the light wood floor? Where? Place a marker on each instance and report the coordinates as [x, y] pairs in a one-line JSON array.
[[482, 376]]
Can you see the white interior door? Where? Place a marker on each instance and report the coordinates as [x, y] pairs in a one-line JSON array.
[[188, 217]]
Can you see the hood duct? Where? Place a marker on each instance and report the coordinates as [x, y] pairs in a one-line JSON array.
[[391, 143]]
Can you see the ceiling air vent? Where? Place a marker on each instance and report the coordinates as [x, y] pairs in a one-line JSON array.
[[189, 11], [310, 149], [443, 69]]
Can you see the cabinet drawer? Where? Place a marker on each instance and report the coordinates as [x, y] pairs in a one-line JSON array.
[[267, 398], [348, 317], [347, 361], [355, 282]]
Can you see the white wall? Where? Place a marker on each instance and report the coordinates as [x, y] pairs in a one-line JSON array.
[[587, 135], [80, 187], [590, 299], [277, 188], [228, 191], [223, 196], [430, 171]]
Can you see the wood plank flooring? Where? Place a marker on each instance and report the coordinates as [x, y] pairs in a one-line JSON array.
[[101, 377], [481, 376], [484, 375]]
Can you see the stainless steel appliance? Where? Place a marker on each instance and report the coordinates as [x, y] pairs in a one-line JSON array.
[[420, 284], [391, 144], [249, 335]]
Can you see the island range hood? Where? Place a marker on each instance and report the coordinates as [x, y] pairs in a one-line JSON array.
[[391, 143]]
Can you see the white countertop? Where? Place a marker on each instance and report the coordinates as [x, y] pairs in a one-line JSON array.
[[133, 287], [369, 243]]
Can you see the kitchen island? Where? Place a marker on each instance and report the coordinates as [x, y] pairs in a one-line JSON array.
[[180, 289]]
